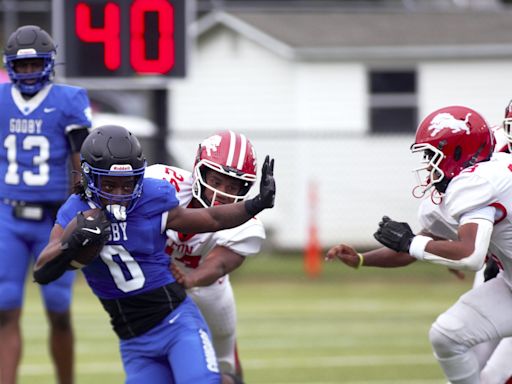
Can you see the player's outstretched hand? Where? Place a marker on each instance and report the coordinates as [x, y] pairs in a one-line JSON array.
[[395, 235], [265, 199], [345, 253]]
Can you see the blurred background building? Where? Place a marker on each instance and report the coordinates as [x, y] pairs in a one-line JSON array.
[[333, 90]]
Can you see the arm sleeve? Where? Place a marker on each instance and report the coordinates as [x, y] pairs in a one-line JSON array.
[[476, 260], [76, 137], [53, 269]]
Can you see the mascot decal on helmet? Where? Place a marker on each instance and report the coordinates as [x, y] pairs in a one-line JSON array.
[[447, 121]]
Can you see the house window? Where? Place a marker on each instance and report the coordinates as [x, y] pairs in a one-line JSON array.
[[393, 101]]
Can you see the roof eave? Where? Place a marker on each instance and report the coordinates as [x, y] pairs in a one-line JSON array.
[[256, 35], [409, 52]]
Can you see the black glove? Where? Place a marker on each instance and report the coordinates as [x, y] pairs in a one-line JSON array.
[[89, 230], [267, 194], [491, 269], [394, 235]]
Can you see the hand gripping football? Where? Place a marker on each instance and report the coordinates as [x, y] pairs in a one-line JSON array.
[[85, 236]]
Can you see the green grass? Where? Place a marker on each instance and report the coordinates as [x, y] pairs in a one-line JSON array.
[[346, 326]]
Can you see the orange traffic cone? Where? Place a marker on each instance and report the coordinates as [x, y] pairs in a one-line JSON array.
[[312, 257], [312, 251]]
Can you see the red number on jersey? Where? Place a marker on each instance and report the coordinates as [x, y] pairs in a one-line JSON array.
[[174, 178], [190, 261]]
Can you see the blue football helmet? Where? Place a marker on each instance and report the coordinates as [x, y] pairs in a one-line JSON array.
[[112, 150], [30, 42]]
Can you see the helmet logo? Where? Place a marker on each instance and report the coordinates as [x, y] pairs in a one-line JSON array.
[[211, 144], [26, 51], [447, 120], [121, 167]]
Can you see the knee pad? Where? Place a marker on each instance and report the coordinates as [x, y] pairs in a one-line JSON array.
[[446, 336]]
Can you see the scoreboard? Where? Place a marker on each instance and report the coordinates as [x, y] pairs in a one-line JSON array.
[[121, 38]]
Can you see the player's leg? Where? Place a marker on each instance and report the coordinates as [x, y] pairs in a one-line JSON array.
[[483, 351], [217, 305], [57, 301], [10, 347], [144, 358], [499, 369], [182, 341], [144, 369], [473, 319], [192, 356], [14, 263]]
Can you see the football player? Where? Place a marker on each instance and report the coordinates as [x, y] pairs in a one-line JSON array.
[[223, 173], [163, 337], [457, 144], [42, 126]]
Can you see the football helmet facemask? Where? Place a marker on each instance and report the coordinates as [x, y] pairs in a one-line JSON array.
[[30, 42], [451, 138], [507, 125], [111, 150], [228, 153]]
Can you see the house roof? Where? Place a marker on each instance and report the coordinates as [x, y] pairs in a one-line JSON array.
[[335, 34]]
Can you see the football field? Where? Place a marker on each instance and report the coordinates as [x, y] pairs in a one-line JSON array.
[[354, 327]]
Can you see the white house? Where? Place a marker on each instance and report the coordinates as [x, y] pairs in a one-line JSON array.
[[335, 97]]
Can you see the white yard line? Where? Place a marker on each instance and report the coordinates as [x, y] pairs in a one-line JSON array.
[[31, 369]]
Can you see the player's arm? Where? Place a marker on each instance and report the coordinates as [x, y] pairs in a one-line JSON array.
[[467, 252], [199, 220], [52, 261], [76, 137], [219, 262], [381, 257], [55, 258]]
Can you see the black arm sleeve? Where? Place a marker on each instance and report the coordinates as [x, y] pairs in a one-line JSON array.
[[76, 137], [53, 269]]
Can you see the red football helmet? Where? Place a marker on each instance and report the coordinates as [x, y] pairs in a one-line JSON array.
[[452, 138], [507, 125], [229, 153]]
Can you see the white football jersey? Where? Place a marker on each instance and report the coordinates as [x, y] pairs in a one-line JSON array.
[[436, 221], [486, 184], [189, 250]]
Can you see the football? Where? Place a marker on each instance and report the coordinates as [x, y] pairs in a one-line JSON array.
[[88, 253]]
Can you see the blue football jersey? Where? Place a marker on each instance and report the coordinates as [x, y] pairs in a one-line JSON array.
[[34, 148], [133, 260]]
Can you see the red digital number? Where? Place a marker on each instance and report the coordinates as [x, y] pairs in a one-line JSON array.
[[165, 60], [108, 35]]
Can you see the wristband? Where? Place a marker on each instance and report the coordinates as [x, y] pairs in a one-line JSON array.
[[361, 260], [418, 245]]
